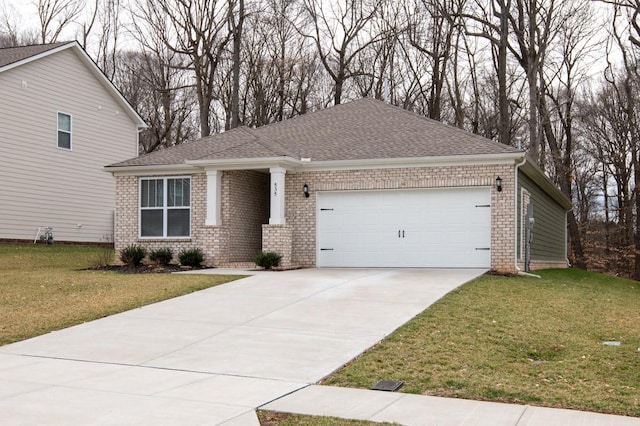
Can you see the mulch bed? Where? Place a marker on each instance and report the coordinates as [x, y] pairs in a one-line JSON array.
[[147, 269]]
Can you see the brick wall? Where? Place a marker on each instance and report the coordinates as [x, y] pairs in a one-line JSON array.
[[245, 208], [212, 240], [279, 238], [300, 211]]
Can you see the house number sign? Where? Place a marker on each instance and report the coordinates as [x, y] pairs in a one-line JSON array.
[[275, 189]]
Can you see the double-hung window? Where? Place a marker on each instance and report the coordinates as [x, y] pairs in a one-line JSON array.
[[165, 207], [64, 131]]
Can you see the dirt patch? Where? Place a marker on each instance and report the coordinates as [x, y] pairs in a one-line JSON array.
[[272, 418]]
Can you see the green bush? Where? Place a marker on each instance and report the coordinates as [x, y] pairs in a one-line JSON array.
[[192, 257], [132, 255], [161, 256], [267, 259]]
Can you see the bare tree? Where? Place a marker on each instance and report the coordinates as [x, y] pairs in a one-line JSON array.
[[576, 39], [108, 13], [340, 31], [55, 16], [236, 23], [431, 30], [153, 84], [199, 30], [492, 23], [12, 33]]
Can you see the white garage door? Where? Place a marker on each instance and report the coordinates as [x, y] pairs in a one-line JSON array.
[[405, 228]]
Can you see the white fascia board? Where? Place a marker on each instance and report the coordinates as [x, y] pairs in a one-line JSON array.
[[95, 70], [173, 169], [246, 163], [398, 163]]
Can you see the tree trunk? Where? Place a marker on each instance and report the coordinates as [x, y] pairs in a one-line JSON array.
[[532, 77], [503, 101], [236, 28], [337, 98]]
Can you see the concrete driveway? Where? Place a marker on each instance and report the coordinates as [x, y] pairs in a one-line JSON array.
[[213, 356]]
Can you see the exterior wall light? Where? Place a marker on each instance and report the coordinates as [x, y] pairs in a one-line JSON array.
[[305, 190], [499, 184]]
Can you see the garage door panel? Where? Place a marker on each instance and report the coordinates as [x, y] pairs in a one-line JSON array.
[[411, 228]]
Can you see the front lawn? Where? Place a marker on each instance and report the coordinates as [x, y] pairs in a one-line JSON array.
[[519, 340], [45, 288]]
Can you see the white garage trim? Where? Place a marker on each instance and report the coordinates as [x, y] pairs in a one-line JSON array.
[[444, 227]]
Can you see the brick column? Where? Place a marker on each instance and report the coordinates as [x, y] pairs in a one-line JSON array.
[[216, 245], [279, 238], [503, 222]]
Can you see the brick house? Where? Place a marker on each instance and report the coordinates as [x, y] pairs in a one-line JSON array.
[[362, 184]]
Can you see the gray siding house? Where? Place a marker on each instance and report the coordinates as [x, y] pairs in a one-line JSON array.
[[61, 120], [362, 184]]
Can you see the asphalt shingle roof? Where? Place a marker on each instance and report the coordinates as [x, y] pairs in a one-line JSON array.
[[358, 130], [9, 55]]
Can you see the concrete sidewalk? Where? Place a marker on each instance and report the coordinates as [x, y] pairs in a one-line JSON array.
[[418, 410]]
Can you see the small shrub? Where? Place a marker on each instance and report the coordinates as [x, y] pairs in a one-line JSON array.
[[192, 257], [267, 259], [132, 255], [161, 256], [103, 257]]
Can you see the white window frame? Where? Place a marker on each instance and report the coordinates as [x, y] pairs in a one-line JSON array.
[[70, 131], [165, 208]]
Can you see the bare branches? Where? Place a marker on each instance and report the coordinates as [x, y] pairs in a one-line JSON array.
[[340, 36], [55, 15]]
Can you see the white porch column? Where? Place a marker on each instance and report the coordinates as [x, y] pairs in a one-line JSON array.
[[277, 196], [214, 197]]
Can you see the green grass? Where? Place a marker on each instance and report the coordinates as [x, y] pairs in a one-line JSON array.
[[45, 288], [519, 340]]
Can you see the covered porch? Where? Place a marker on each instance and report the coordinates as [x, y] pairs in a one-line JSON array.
[[245, 213]]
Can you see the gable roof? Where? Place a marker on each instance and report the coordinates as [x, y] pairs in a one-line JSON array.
[[13, 57], [365, 129]]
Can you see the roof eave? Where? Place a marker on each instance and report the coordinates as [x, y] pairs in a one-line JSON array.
[[306, 164], [532, 170], [149, 170], [247, 163]]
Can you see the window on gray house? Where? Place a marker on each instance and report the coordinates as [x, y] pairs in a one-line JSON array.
[[64, 131], [165, 207]]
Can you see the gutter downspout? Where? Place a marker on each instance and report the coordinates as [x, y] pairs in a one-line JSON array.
[[515, 208]]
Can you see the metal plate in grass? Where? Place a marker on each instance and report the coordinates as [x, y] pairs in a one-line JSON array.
[[387, 385]]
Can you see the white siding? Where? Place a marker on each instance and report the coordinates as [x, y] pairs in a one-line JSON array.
[[42, 185]]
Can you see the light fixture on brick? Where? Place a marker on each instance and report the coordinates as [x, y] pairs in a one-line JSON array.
[[499, 184], [305, 190]]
